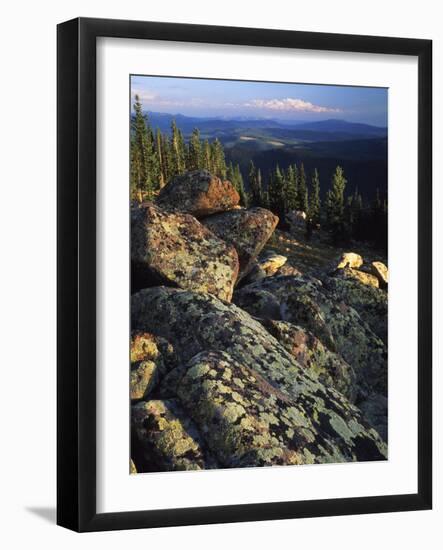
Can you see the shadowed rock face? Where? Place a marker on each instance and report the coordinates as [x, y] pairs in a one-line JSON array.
[[175, 249], [196, 323], [306, 302], [198, 193], [247, 230], [168, 438]]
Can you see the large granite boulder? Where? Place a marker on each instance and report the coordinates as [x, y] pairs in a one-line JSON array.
[[246, 421], [195, 322], [306, 302], [199, 193], [247, 230], [166, 439], [175, 249]]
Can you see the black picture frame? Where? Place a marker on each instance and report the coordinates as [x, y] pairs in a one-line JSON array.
[[76, 265]]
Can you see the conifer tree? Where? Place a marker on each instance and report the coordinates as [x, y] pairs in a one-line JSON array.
[[315, 203], [302, 190], [206, 155], [239, 185], [194, 151], [143, 142], [291, 189], [338, 205], [218, 159], [177, 150], [276, 189], [254, 178]]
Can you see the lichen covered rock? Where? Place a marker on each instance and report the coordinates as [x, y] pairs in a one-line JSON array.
[[370, 303], [199, 193], [246, 421], [348, 273], [328, 367], [195, 322], [151, 358], [175, 249], [306, 302], [169, 440], [247, 230]]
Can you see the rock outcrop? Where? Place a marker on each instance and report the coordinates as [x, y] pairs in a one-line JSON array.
[[247, 230], [195, 322], [349, 273], [306, 302], [265, 266], [199, 193], [175, 249]]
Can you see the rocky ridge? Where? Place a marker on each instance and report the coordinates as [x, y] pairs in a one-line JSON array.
[[283, 368]]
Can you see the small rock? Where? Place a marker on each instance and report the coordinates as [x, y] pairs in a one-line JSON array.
[[381, 272], [175, 249], [199, 193], [350, 259]]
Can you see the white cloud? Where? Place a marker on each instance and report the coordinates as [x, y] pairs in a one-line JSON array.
[[289, 104]]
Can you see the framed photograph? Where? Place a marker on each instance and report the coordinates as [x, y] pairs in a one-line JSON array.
[[244, 274]]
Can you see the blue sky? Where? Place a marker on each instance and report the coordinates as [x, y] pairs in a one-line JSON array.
[[235, 98]]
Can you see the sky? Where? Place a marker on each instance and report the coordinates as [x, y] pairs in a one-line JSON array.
[[237, 98]]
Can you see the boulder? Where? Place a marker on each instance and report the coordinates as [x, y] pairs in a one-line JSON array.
[[195, 322], [306, 302], [175, 249], [265, 266], [370, 303], [328, 367], [247, 230], [199, 193], [296, 219], [151, 358], [349, 259], [357, 275], [381, 272], [167, 439], [288, 270], [132, 467], [248, 422]]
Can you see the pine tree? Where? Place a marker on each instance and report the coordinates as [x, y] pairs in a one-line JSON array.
[[302, 190], [143, 142], [218, 159], [276, 189], [239, 185], [206, 156], [338, 226], [177, 150], [315, 203], [160, 157], [194, 151], [291, 189], [254, 184]]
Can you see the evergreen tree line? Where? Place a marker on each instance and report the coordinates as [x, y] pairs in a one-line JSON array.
[[157, 157]]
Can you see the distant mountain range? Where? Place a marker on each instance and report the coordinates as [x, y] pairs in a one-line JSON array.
[[361, 149], [334, 129]]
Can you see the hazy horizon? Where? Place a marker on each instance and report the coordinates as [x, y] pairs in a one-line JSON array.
[[236, 99]]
